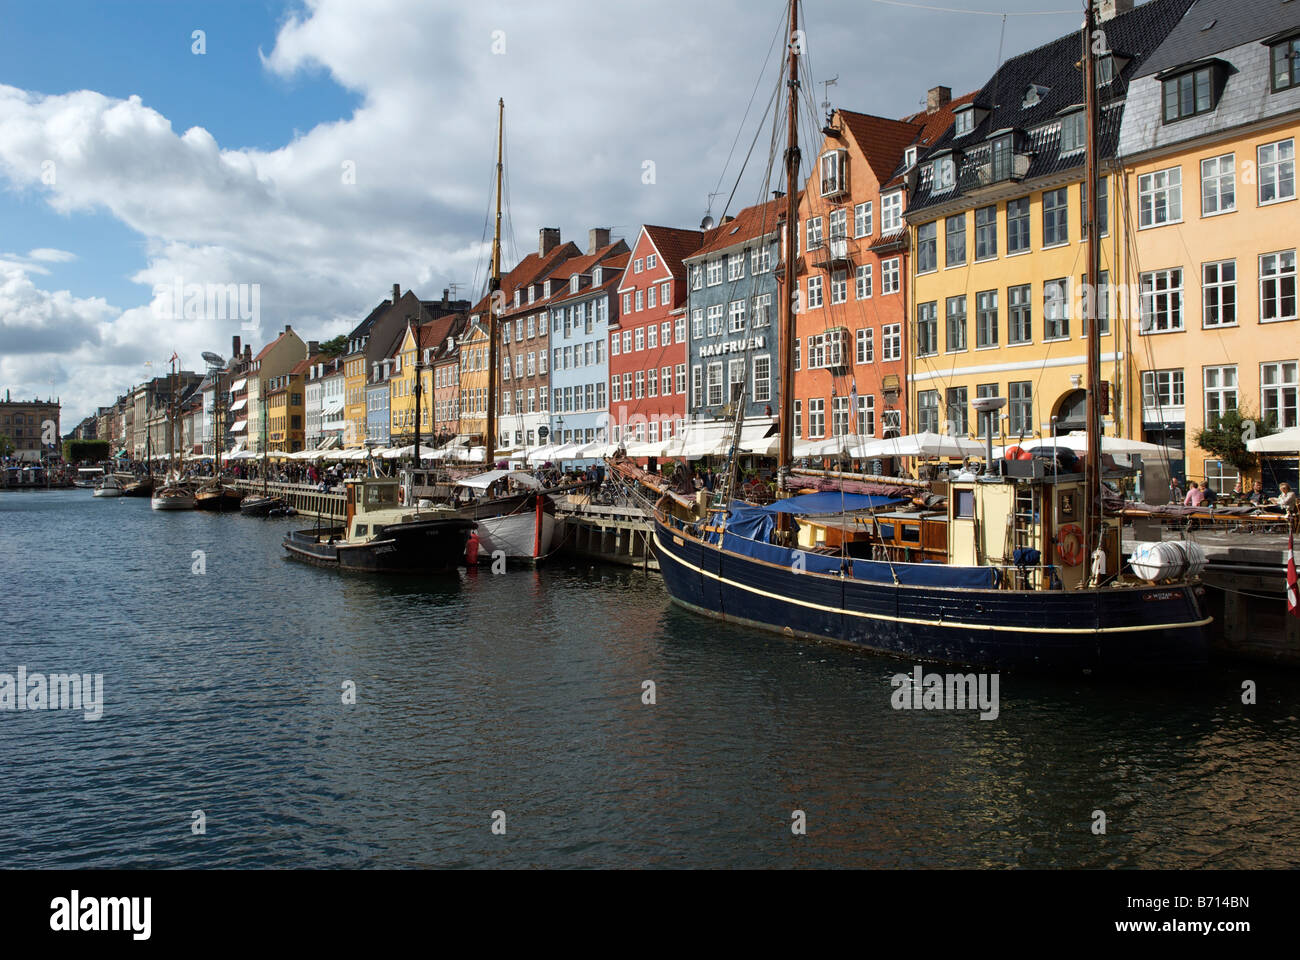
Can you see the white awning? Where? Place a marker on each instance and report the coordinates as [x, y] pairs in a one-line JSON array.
[[327, 442], [239, 425], [239, 405], [1284, 441], [330, 407], [485, 480], [239, 385]]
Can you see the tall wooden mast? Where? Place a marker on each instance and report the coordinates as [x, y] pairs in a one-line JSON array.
[[494, 286], [1091, 300], [787, 315]]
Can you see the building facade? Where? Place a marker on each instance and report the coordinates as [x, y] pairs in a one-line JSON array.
[[32, 426]]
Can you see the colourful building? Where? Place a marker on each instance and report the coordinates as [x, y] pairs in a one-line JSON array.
[[1208, 147]]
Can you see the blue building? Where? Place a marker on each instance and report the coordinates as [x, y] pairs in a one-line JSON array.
[[378, 422], [581, 312], [733, 318]]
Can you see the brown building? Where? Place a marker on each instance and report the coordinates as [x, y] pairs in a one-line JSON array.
[[32, 426]]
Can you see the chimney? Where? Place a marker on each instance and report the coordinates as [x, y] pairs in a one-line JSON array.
[[248, 353], [234, 347], [446, 294], [1110, 9], [597, 239], [313, 348], [936, 98], [288, 329], [548, 240], [397, 293]]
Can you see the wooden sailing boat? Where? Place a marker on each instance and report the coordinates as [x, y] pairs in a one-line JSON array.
[[175, 494], [1013, 580], [213, 494]]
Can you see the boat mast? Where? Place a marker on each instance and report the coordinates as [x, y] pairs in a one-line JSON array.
[[494, 285], [787, 315], [416, 333], [1092, 460]]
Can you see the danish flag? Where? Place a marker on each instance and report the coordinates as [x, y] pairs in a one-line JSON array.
[[1292, 588]]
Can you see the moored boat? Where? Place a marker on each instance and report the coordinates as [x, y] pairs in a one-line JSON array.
[[173, 496], [110, 486], [257, 505], [139, 488], [218, 496]]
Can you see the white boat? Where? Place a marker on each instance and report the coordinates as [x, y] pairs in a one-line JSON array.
[[89, 478], [110, 487], [173, 496]]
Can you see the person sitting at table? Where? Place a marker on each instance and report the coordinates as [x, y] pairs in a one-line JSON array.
[[1195, 496], [1285, 497], [1256, 495], [1208, 491]]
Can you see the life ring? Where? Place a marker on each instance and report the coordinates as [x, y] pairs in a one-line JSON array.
[[1069, 544]]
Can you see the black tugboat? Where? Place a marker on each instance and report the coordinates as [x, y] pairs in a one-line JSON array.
[[379, 535]]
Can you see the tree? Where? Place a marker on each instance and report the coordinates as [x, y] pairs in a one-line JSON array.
[[1226, 438], [336, 347], [74, 451], [6, 446]]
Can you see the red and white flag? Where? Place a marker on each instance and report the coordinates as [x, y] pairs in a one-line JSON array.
[[1292, 587]]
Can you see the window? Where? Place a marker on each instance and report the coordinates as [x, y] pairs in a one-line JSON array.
[[1277, 171], [889, 276], [1285, 58], [652, 383], [798, 418], [681, 377], [964, 122], [1056, 309], [862, 219], [1018, 225], [1103, 207], [1219, 294], [1073, 133], [736, 312], [891, 212], [834, 176], [817, 417], [640, 299], [839, 286], [679, 328], [1161, 293], [614, 345], [956, 312], [1056, 216], [1105, 69], [761, 259], [814, 292], [640, 339], [652, 337], [651, 262], [944, 174], [1162, 394], [839, 416], [1277, 286], [615, 394], [1020, 408], [697, 277], [927, 411], [891, 341], [814, 228], [697, 323], [1020, 314], [715, 320], [651, 298], [986, 233], [862, 282], [1189, 94], [715, 272], [1221, 477], [664, 289], [1160, 197], [839, 224], [955, 234], [865, 351], [697, 398], [736, 266], [1220, 393], [762, 379], [627, 341], [986, 319], [1002, 161], [1218, 185], [867, 416], [926, 244], [762, 314], [798, 345], [715, 384], [640, 384], [927, 329], [1278, 386]]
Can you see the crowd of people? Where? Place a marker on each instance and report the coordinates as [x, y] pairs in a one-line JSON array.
[[1203, 495]]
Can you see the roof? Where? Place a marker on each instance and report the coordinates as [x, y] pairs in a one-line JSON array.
[[433, 334], [882, 141], [1052, 68], [363, 328], [1234, 22], [675, 245], [751, 223], [584, 263], [261, 354], [529, 269]]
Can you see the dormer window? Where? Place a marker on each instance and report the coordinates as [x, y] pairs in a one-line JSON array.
[[964, 122], [944, 173], [1284, 56], [573, 283], [595, 276], [518, 297], [1034, 95], [546, 290], [1073, 132], [532, 294], [1105, 70], [834, 173], [1193, 90], [909, 158]]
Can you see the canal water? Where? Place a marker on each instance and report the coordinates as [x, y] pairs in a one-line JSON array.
[[518, 699]]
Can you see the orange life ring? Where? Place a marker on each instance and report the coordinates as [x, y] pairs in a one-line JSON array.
[[1069, 544]]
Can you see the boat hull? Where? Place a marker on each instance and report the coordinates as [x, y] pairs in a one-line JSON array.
[[515, 535], [421, 546], [183, 501], [1110, 630], [226, 500], [260, 506]]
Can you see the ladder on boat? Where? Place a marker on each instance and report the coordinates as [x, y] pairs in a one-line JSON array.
[[722, 494]]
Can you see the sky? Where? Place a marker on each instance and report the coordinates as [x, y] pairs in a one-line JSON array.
[[318, 152]]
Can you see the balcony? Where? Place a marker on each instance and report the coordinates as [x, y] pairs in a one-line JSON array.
[[834, 253]]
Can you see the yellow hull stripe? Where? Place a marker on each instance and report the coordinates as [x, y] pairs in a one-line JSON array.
[[1140, 628]]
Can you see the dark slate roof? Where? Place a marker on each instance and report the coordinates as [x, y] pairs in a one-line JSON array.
[[1235, 22], [1133, 36]]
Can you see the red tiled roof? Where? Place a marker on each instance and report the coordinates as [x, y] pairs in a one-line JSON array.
[[529, 269], [674, 245], [933, 126], [584, 262], [751, 222], [882, 141], [434, 333]]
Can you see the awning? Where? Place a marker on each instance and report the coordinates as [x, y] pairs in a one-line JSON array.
[[331, 407], [485, 480], [239, 425], [1284, 441], [327, 442], [239, 385], [239, 405]]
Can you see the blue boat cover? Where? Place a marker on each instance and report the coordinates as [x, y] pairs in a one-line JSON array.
[[827, 501]]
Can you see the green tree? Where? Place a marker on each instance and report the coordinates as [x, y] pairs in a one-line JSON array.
[[1226, 438], [336, 347], [6, 446]]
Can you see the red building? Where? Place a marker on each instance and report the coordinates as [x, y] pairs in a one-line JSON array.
[[647, 342]]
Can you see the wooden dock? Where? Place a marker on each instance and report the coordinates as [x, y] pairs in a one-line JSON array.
[[621, 535], [307, 500]]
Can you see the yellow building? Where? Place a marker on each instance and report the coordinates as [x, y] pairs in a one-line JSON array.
[[474, 379], [1208, 146], [997, 271]]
